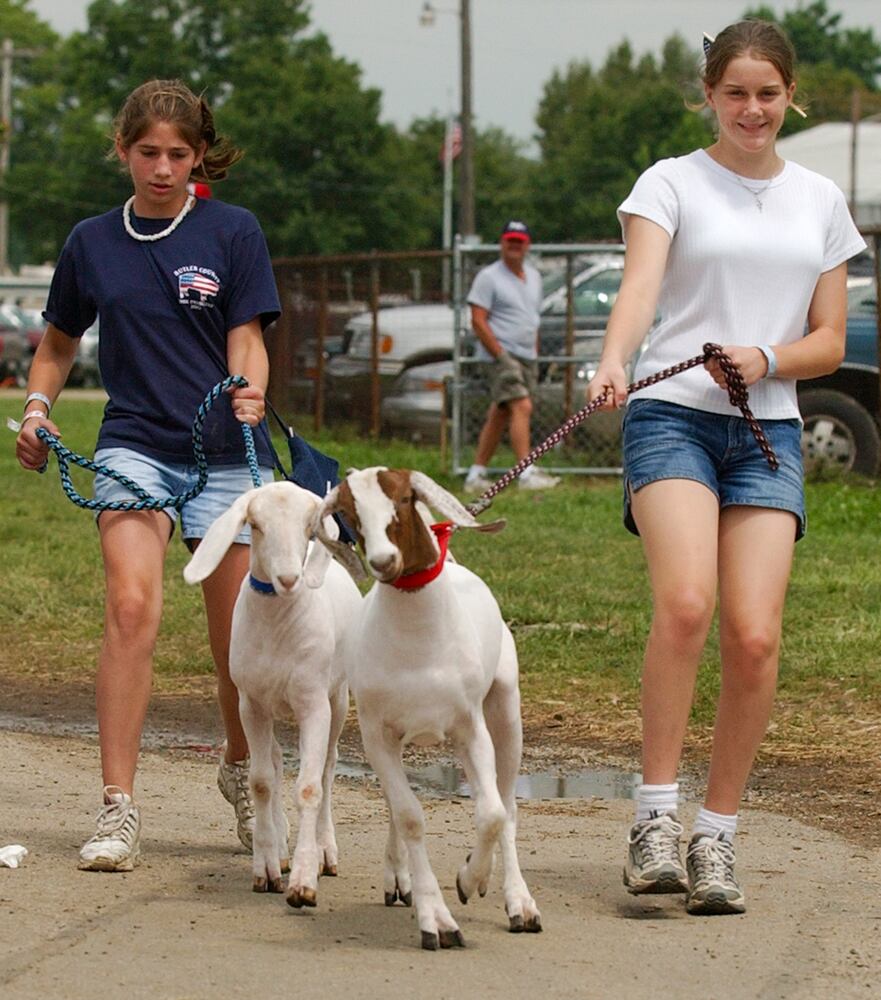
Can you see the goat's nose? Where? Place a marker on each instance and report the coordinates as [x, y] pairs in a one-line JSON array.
[[384, 565], [288, 581]]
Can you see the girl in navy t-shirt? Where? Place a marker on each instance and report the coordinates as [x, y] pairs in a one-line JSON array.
[[183, 289]]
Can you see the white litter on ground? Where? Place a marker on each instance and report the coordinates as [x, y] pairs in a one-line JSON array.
[[12, 856]]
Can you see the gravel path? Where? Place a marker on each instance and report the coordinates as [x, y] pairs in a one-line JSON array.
[[185, 925]]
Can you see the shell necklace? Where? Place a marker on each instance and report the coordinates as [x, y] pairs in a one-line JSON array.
[[152, 237]]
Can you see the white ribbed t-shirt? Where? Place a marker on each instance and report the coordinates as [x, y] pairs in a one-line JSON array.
[[736, 274]]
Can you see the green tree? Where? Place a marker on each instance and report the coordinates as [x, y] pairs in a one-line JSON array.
[[320, 167], [818, 39], [599, 130]]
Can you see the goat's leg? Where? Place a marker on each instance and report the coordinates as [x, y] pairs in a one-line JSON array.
[[328, 854], [476, 752], [279, 820], [262, 777], [314, 721], [502, 711], [436, 923], [397, 883]]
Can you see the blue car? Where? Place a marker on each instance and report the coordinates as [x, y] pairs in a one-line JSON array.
[[840, 411]]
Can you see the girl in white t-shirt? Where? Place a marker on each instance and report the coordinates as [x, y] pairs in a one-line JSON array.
[[732, 245]]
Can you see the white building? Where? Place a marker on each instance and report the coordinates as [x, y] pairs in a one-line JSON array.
[[827, 149]]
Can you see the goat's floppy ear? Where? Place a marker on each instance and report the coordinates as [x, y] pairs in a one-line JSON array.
[[427, 490], [217, 540], [319, 557], [343, 553]]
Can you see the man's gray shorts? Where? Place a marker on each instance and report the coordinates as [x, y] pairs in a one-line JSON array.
[[511, 378]]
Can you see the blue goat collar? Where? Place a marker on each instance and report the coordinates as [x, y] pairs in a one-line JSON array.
[[260, 585]]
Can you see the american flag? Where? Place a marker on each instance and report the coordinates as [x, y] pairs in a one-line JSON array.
[[198, 282], [455, 143]]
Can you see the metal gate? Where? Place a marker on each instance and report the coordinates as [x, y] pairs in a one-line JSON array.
[[581, 283]]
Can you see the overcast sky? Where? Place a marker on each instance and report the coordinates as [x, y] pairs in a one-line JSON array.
[[517, 44]]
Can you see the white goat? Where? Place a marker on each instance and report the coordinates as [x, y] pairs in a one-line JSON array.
[[289, 631], [435, 660]]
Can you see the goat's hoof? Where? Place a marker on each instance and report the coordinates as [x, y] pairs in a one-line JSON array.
[[430, 941], [462, 897], [482, 889], [276, 885], [285, 867], [302, 897], [405, 897], [517, 925], [329, 870], [452, 939], [259, 884]]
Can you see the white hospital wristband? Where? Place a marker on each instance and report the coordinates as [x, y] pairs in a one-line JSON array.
[[771, 358], [40, 398]]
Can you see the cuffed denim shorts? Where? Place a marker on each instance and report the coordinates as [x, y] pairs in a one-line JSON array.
[[668, 441], [164, 479]]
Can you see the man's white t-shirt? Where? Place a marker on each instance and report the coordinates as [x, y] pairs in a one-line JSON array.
[[513, 304], [736, 273]]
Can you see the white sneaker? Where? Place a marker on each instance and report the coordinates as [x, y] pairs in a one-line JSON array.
[[232, 780], [115, 847], [538, 480], [477, 484]]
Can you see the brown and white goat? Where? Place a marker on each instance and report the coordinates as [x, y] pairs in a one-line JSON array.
[[290, 626], [435, 660]]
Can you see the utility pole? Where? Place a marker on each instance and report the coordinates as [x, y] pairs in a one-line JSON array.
[[466, 171], [7, 54], [854, 132]]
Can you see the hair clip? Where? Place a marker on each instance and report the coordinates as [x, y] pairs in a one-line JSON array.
[[708, 41]]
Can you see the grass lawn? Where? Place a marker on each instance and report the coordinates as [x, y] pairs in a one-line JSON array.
[[569, 578]]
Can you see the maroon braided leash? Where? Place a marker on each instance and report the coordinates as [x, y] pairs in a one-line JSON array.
[[737, 394]]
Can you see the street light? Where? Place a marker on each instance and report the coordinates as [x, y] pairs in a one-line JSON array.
[[427, 18]]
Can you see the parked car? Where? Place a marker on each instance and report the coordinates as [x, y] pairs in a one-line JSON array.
[[840, 411], [423, 334], [85, 373], [15, 345]]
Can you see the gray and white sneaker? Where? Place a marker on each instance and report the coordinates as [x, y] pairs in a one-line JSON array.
[[712, 886], [232, 780], [653, 861], [538, 480], [115, 846], [476, 484]]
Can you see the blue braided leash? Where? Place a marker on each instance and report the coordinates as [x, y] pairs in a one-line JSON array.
[[145, 501]]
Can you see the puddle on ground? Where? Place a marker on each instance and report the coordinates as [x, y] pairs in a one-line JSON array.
[[443, 779]]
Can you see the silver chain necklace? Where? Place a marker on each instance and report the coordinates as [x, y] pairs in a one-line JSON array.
[[756, 193], [151, 238]]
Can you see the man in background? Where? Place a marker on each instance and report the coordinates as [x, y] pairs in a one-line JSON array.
[[505, 301]]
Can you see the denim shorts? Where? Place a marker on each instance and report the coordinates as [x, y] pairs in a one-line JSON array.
[[164, 479], [668, 441]]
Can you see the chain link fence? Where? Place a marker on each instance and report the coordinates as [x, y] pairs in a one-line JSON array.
[[581, 283]]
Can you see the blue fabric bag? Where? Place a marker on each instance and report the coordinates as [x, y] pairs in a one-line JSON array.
[[310, 468]]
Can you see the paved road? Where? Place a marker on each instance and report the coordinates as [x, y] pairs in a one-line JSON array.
[[185, 925]]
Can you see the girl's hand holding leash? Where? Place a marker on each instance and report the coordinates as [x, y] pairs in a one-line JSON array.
[[609, 375], [32, 453], [751, 362], [249, 404]]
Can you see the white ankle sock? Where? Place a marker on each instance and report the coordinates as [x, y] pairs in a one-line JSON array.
[[711, 824], [654, 800]]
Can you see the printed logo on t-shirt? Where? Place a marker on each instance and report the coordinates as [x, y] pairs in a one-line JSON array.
[[197, 287]]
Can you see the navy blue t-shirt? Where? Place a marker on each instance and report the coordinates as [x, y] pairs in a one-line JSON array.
[[165, 309]]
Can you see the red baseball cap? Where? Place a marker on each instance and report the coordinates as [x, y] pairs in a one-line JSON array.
[[516, 230]]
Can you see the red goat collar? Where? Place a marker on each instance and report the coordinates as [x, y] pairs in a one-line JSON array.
[[413, 581]]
